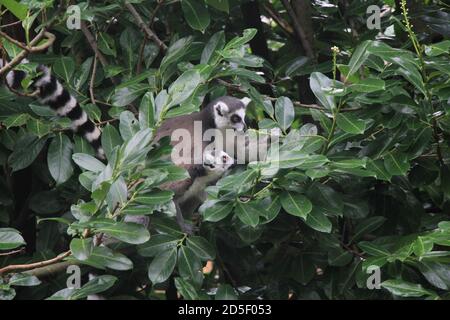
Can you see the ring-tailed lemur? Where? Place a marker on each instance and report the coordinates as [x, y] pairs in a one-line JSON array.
[[52, 93], [190, 193]]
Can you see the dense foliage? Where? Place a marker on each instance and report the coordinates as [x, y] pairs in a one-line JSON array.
[[362, 181]]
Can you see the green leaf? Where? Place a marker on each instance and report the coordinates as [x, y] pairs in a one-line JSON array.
[[238, 42], [168, 226], [413, 76], [359, 56], [396, 163], [319, 82], [24, 280], [124, 96], [368, 85], [127, 232], [63, 294], [189, 265], [221, 5], [393, 55], [128, 125], [284, 112], [116, 192], [196, 14], [338, 257], [303, 269], [294, 158], [158, 244], [83, 74], [103, 257], [94, 286], [350, 123], [248, 213], [162, 266], [296, 204], [373, 249], [7, 293], [422, 246], [295, 65], [175, 52], [368, 225], [210, 52], [186, 289], [226, 292], [438, 274], [26, 150], [378, 168], [184, 87], [137, 144], [106, 44], [64, 68], [215, 210], [88, 162], [201, 247], [437, 49], [326, 199], [147, 111], [81, 248], [38, 127], [317, 220], [110, 139], [10, 239], [405, 289], [155, 197], [18, 9], [16, 120], [59, 158]]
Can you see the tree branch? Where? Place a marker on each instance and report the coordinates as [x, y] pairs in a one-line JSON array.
[[46, 271], [28, 49], [15, 267], [91, 82], [299, 30], [10, 253], [93, 43], [149, 33], [272, 12]]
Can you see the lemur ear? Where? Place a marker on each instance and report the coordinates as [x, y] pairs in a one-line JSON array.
[[221, 108], [246, 101]]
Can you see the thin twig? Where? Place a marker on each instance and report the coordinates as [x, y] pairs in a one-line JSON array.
[[14, 41], [144, 42], [30, 49], [273, 13], [149, 33], [10, 24], [354, 252], [10, 253], [299, 30], [91, 40], [29, 266], [91, 83], [46, 271], [141, 56], [153, 16]]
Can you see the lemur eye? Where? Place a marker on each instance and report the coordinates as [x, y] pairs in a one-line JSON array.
[[235, 118]]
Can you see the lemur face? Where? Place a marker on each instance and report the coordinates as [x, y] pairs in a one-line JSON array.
[[217, 161], [229, 113]]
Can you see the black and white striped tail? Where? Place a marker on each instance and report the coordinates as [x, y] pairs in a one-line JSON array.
[[53, 94]]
